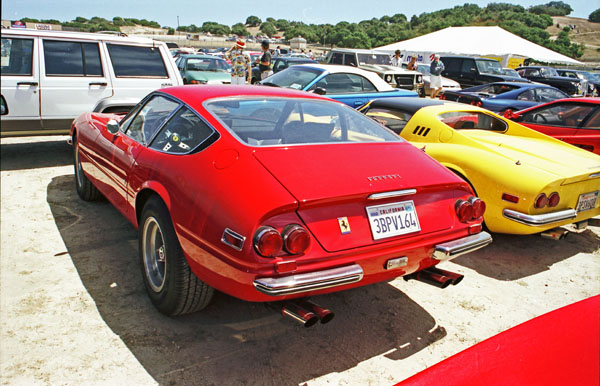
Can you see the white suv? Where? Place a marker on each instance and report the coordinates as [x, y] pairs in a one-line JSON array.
[[50, 77]]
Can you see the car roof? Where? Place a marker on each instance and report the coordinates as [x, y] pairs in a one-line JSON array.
[[200, 56], [381, 84], [358, 51], [295, 59], [466, 57], [80, 36]]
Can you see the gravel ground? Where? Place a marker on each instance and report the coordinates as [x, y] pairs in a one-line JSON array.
[[73, 310]]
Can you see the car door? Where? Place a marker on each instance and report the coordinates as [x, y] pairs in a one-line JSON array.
[[73, 79], [559, 120], [468, 73], [20, 83]]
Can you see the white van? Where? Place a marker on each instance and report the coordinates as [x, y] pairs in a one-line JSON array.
[[50, 77]]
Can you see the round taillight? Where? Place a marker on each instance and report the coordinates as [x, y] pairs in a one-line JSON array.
[[478, 207], [464, 210], [442, 97], [296, 239], [553, 200], [267, 241], [541, 201]]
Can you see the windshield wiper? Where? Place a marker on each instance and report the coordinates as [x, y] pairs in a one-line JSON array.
[[270, 84]]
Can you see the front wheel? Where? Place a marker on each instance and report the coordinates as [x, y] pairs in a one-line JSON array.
[[85, 189], [172, 286]]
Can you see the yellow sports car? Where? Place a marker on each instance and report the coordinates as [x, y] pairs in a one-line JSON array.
[[530, 182]]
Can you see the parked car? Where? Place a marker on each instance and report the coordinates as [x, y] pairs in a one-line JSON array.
[[50, 77], [501, 96], [593, 80], [203, 69], [280, 63], [447, 84], [528, 354], [379, 63], [549, 76], [346, 84], [510, 72], [575, 121], [215, 180], [469, 71], [530, 182]]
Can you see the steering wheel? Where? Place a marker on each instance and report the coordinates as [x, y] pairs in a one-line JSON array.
[[174, 141], [539, 118]]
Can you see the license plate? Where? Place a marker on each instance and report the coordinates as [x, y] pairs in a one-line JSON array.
[[587, 201], [394, 219]]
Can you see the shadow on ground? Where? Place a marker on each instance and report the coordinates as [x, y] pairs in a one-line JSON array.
[[231, 341], [32, 155], [513, 257]]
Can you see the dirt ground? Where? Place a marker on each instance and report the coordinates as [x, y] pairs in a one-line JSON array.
[[73, 310]]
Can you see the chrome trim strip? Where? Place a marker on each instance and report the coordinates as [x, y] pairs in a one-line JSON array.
[[539, 219], [236, 236], [455, 248], [394, 193], [594, 175], [311, 281]]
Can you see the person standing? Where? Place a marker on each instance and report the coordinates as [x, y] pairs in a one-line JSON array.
[[240, 64], [436, 67], [397, 59], [412, 64], [265, 61]]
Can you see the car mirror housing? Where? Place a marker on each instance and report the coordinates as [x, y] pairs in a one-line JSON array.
[[112, 126], [320, 91]]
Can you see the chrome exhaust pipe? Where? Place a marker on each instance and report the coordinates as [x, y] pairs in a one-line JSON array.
[[324, 314], [456, 277], [298, 313], [431, 277]]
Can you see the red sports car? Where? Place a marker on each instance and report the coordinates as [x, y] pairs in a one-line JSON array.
[[575, 121], [270, 194]]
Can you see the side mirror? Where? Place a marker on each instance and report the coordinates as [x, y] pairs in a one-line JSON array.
[[3, 107], [509, 114], [474, 70], [320, 91], [112, 127]]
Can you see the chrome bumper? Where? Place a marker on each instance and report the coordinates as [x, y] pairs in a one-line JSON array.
[[539, 219], [310, 281], [455, 248]]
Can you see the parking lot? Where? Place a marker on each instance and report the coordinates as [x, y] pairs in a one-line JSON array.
[[73, 309]]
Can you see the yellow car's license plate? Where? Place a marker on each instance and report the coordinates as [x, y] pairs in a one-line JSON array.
[[393, 219], [587, 201]]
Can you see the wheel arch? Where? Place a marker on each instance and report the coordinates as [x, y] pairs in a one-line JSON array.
[[150, 189], [461, 173]]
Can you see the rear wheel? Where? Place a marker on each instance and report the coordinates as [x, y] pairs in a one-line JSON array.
[[172, 286], [85, 189]]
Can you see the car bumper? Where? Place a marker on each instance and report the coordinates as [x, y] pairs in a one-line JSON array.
[[313, 281], [540, 219]]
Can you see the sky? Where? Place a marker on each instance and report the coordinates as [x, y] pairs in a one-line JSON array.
[[187, 12]]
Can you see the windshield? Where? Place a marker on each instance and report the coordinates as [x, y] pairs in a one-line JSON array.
[[548, 71], [281, 121], [489, 66], [206, 64], [374, 59], [296, 78], [423, 69]]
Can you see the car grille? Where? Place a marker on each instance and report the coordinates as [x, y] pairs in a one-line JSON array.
[[404, 81]]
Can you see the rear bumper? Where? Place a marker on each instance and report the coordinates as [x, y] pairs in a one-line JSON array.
[[540, 219], [455, 248]]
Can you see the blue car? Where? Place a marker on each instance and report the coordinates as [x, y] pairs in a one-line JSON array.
[[501, 96], [346, 84]]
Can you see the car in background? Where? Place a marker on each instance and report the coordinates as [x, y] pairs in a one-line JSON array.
[[203, 69], [528, 354], [346, 84], [447, 84], [469, 71], [529, 181], [215, 179], [549, 76], [510, 72], [379, 63], [575, 121], [280, 63], [50, 77], [501, 96], [593, 80]]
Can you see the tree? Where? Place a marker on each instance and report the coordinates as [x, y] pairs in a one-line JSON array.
[[239, 29], [553, 8], [595, 16], [268, 29], [80, 19], [171, 31], [282, 24], [253, 21]]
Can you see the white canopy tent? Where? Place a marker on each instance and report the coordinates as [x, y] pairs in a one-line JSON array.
[[478, 41]]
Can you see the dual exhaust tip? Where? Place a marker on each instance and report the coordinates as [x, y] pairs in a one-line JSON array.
[[306, 312], [435, 276]]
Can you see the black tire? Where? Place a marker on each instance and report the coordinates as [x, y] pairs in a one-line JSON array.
[[85, 189], [171, 285]]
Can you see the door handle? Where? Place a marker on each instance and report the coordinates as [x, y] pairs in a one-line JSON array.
[[27, 83], [98, 84]]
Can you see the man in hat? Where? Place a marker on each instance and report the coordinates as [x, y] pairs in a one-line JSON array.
[[240, 64], [435, 83]]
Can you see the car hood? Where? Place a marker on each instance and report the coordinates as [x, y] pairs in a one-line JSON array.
[[550, 155], [449, 83], [386, 68], [333, 182], [210, 76]]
